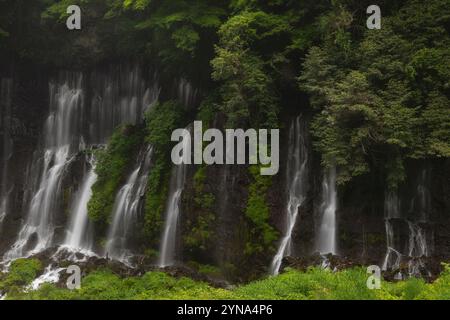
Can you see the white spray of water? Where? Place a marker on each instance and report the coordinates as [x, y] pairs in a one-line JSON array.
[[127, 208], [50, 275], [60, 129], [296, 186], [168, 241], [327, 231], [78, 236]]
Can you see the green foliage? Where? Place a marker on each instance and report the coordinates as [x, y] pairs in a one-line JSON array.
[[21, 273], [112, 165], [175, 29], [200, 225], [313, 284], [58, 10], [246, 86], [105, 285], [262, 234], [155, 199], [440, 289], [377, 96], [161, 120]]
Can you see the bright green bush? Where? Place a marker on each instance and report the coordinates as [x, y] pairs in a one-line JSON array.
[[262, 234], [200, 224], [111, 168], [161, 120], [315, 283], [20, 274]]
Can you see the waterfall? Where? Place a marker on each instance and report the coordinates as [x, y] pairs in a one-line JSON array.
[[78, 237], [119, 96], [5, 121], [420, 241], [391, 211], [50, 275], [417, 241], [127, 207], [60, 133], [186, 93], [74, 124], [168, 242], [296, 176], [414, 218], [327, 231]]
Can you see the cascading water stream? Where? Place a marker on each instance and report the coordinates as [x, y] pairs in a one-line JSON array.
[[119, 97], [296, 176], [127, 208], [326, 242], [391, 211], [78, 237], [60, 133], [186, 93], [168, 241], [417, 245]]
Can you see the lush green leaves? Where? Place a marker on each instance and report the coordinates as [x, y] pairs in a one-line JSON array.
[[111, 168], [315, 283]]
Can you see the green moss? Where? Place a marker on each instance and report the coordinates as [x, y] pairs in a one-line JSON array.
[[112, 164], [205, 269], [155, 200], [199, 225], [161, 120], [315, 283], [262, 234], [21, 273]]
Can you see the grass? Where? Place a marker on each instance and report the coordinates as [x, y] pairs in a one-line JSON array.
[[314, 284]]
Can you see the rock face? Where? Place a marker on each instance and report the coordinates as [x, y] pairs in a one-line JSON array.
[[361, 219]]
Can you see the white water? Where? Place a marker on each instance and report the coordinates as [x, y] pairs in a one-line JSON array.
[[186, 93], [78, 236], [60, 133], [296, 185], [417, 245], [327, 232], [169, 237], [127, 208], [50, 275], [391, 211], [120, 96], [417, 241]]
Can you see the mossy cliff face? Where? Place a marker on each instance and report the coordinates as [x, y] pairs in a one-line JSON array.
[[379, 114]]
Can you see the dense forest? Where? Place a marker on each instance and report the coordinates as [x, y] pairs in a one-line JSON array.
[[85, 160]]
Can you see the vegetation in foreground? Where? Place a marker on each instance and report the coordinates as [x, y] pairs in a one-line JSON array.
[[315, 283]]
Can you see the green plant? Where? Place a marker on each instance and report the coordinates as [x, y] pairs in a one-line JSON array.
[[200, 224], [111, 167], [262, 234], [161, 120], [20, 274]]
